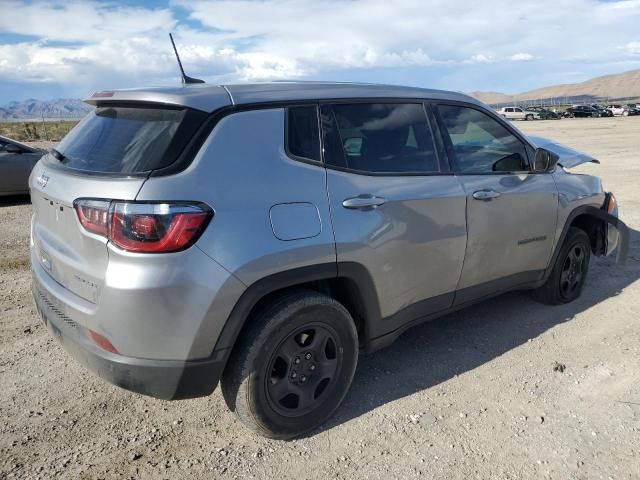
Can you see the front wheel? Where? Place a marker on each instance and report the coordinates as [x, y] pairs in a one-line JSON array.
[[569, 272], [528, 117], [293, 366]]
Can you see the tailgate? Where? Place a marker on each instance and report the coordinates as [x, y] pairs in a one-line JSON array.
[[73, 257]]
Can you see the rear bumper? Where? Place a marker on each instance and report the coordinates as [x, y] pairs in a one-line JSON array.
[[164, 379]]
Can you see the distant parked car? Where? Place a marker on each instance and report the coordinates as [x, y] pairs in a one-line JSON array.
[[603, 112], [618, 110], [579, 111], [545, 113], [16, 162], [517, 113], [633, 109]]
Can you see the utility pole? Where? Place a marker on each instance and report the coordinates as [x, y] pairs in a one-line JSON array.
[[44, 126]]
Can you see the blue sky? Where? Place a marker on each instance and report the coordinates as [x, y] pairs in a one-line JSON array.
[[52, 49]]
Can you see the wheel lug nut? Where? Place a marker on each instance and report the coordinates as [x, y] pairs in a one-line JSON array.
[[312, 367], [296, 360], [307, 356], [303, 379], [294, 374]]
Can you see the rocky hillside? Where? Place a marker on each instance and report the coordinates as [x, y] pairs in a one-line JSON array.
[[618, 86], [66, 109]]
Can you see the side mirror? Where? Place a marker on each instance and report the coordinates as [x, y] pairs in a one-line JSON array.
[[11, 148], [352, 145], [544, 160]]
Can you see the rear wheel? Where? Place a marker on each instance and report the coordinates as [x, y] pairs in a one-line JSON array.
[[294, 365], [569, 271]]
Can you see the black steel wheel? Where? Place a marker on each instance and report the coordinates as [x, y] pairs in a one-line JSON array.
[[293, 365], [573, 269], [302, 368], [569, 271]]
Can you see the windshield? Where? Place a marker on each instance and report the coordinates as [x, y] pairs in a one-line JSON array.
[[129, 140]]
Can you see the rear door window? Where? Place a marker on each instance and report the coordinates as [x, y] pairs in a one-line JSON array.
[[392, 138], [129, 140]]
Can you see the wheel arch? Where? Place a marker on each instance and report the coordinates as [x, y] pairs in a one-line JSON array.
[[349, 283], [595, 228], [593, 221]]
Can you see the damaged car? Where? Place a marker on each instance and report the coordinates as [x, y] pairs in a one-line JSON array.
[[264, 236]]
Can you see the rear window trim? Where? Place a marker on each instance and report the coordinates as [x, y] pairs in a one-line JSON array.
[[55, 164]]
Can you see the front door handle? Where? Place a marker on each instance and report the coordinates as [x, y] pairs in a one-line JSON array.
[[363, 202], [486, 195]]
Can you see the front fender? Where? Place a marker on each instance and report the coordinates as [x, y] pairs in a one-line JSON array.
[[600, 214]]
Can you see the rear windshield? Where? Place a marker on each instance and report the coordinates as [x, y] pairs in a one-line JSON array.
[[129, 140]]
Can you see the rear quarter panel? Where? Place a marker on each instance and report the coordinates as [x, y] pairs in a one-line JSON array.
[[242, 171]]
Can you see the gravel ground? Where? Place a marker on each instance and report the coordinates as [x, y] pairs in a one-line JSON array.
[[503, 390]]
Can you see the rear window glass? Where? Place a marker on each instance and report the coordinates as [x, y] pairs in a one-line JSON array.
[[129, 140], [303, 133]]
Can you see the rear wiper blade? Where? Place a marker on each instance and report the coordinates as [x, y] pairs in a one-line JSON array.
[[58, 156]]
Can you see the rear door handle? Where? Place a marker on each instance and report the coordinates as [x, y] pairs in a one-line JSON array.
[[486, 195], [363, 202]]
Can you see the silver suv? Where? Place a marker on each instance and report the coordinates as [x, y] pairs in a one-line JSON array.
[[264, 235]]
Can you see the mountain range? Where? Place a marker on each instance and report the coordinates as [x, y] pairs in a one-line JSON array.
[[61, 108], [609, 87]]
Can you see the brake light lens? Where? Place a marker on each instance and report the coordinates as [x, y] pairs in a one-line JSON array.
[[145, 227], [156, 227], [93, 215]]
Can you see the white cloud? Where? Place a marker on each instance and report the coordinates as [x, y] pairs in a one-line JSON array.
[[633, 48], [482, 58], [100, 44], [81, 21], [521, 57]]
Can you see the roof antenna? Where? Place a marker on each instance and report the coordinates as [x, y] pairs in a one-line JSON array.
[[186, 79]]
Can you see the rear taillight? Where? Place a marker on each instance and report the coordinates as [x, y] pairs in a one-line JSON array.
[[145, 227], [93, 215], [152, 227]]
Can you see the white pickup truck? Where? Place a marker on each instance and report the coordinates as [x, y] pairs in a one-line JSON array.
[[517, 113]]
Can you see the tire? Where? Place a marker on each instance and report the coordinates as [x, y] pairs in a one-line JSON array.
[[528, 117], [625, 113], [569, 272], [293, 365]]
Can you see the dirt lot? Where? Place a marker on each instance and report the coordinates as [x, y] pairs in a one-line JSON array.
[[473, 395]]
